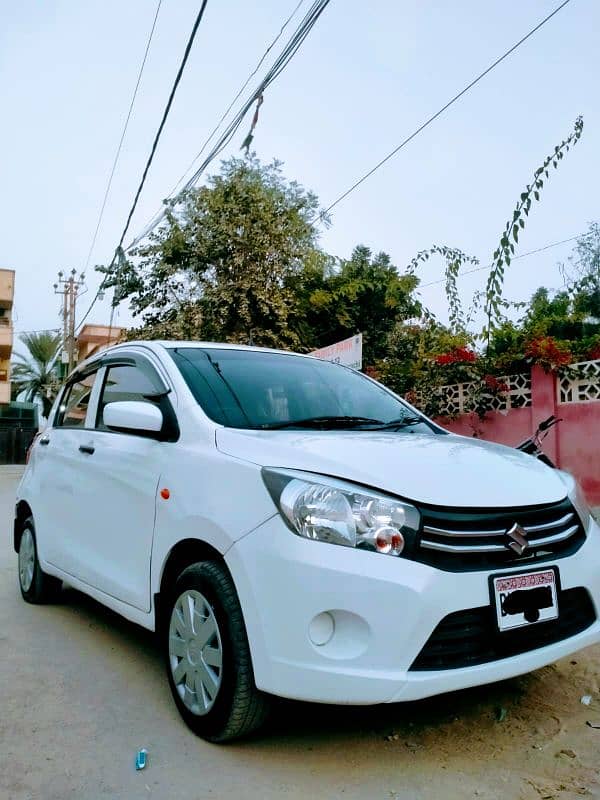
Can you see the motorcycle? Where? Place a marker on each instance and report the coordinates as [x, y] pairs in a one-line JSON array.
[[533, 445]]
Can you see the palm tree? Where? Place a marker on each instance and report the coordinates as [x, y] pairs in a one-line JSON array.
[[35, 375]]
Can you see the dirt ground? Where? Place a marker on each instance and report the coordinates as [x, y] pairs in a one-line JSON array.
[[81, 690]]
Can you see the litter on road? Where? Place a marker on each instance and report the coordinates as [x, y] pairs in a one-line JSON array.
[[141, 759]]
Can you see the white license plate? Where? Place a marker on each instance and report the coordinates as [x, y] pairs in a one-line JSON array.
[[525, 599]]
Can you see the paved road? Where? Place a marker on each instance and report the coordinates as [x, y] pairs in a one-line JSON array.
[[81, 690]]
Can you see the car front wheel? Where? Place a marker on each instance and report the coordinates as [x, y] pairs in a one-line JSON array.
[[36, 586], [208, 657]]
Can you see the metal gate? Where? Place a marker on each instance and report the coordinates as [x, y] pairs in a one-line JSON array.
[[14, 443]]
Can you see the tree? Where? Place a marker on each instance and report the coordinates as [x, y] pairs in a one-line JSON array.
[[35, 375], [364, 293], [224, 264], [427, 355], [424, 355], [556, 329], [586, 264]]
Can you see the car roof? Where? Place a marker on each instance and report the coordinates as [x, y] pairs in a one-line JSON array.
[[157, 345], [170, 343], [217, 345]]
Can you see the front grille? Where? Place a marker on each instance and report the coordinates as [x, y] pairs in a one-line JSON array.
[[459, 540], [471, 637]]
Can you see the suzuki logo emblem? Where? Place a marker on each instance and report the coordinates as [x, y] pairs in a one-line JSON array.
[[517, 539]]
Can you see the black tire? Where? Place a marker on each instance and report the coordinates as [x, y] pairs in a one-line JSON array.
[[238, 707], [43, 588]]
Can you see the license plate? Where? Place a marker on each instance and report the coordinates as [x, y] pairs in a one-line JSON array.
[[525, 598]]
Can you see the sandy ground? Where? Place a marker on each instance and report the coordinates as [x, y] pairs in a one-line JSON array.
[[81, 690]]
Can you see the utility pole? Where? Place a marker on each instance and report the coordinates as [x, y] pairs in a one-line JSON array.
[[70, 288]]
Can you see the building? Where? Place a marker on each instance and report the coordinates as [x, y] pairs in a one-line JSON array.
[[92, 338], [7, 291]]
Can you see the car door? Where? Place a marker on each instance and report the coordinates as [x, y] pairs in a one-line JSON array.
[[122, 471], [60, 483]]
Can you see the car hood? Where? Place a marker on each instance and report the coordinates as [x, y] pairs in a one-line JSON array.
[[441, 470]]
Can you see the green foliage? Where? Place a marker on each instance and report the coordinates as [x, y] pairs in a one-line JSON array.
[[364, 293], [506, 351], [556, 328], [567, 321], [510, 236], [549, 316], [35, 374], [238, 261], [586, 264], [412, 367], [412, 364], [223, 265], [586, 259], [454, 260]]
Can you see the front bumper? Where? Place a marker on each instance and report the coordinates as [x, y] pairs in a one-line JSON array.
[[384, 610]]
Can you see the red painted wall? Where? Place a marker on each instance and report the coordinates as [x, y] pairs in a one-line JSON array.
[[574, 444]]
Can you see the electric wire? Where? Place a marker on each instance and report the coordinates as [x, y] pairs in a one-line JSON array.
[[513, 258], [164, 119], [151, 156], [120, 145], [38, 330], [280, 63], [431, 119], [276, 69], [238, 95]]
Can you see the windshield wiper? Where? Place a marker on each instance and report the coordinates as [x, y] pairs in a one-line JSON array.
[[325, 421], [396, 424]]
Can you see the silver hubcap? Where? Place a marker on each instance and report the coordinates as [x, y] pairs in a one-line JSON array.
[[195, 652], [26, 560]]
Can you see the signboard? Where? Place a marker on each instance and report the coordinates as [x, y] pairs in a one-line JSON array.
[[348, 352]]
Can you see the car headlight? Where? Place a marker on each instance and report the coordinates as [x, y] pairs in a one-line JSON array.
[[333, 511], [577, 498]]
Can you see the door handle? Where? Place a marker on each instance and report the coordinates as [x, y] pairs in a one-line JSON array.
[[87, 448], [45, 440]]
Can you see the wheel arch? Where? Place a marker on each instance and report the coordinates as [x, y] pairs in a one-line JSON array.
[[22, 512], [183, 554]]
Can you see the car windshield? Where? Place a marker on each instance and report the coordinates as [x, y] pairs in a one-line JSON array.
[[264, 390]]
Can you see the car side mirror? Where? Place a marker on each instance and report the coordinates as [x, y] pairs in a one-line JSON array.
[[134, 416]]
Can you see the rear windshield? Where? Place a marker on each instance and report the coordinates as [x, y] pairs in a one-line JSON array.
[[253, 389]]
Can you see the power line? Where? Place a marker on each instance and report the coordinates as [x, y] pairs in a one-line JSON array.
[[164, 119], [278, 66], [38, 330], [160, 213], [238, 95], [281, 62], [152, 151], [118, 152], [92, 304], [431, 119], [514, 258]]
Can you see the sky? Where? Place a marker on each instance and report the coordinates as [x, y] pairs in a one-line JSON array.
[[367, 76]]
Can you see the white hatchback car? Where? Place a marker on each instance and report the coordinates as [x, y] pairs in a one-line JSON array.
[[290, 527]]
